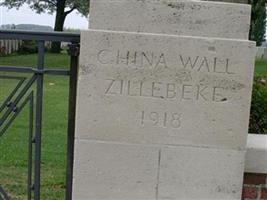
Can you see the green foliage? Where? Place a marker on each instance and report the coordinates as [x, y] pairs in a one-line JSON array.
[[258, 21], [28, 47], [258, 113], [50, 6]]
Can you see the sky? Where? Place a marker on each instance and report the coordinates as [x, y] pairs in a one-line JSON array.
[[27, 16]]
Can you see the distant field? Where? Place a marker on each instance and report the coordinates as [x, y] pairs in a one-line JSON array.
[[13, 145]]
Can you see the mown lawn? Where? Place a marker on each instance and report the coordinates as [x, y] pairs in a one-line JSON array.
[[13, 145], [261, 67]]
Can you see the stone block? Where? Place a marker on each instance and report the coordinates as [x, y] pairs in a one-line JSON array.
[[174, 17], [199, 173], [105, 171], [159, 89]]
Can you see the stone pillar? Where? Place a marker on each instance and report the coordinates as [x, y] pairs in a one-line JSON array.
[[163, 101]]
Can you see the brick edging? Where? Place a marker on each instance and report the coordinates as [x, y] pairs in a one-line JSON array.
[[254, 187]]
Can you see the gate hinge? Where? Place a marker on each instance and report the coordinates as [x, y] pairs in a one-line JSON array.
[[74, 49]]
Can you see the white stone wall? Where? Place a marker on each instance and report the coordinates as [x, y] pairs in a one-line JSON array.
[[261, 53], [9, 46], [256, 156], [163, 101]]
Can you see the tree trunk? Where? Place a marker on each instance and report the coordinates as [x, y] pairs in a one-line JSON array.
[[59, 24]]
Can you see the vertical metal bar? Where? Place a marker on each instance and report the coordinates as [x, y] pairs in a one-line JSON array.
[[3, 194], [30, 144], [38, 122], [74, 52]]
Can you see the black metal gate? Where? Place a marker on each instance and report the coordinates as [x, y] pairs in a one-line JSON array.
[[23, 95]]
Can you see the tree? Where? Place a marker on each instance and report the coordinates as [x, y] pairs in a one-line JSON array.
[[61, 7], [258, 21]]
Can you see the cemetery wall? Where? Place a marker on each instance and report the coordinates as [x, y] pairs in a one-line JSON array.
[[9, 46], [255, 186], [261, 53], [255, 177]]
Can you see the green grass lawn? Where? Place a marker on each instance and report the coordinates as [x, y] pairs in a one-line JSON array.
[[261, 67], [13, 145]]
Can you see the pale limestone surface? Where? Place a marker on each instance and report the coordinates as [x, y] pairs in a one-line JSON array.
[[163, 116], [115, 171], [178, 17], [256, 156], [106, 171], [163, 100], [200, 174]]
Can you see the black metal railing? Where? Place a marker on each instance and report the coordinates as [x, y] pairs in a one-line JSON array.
[[23, 95]]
